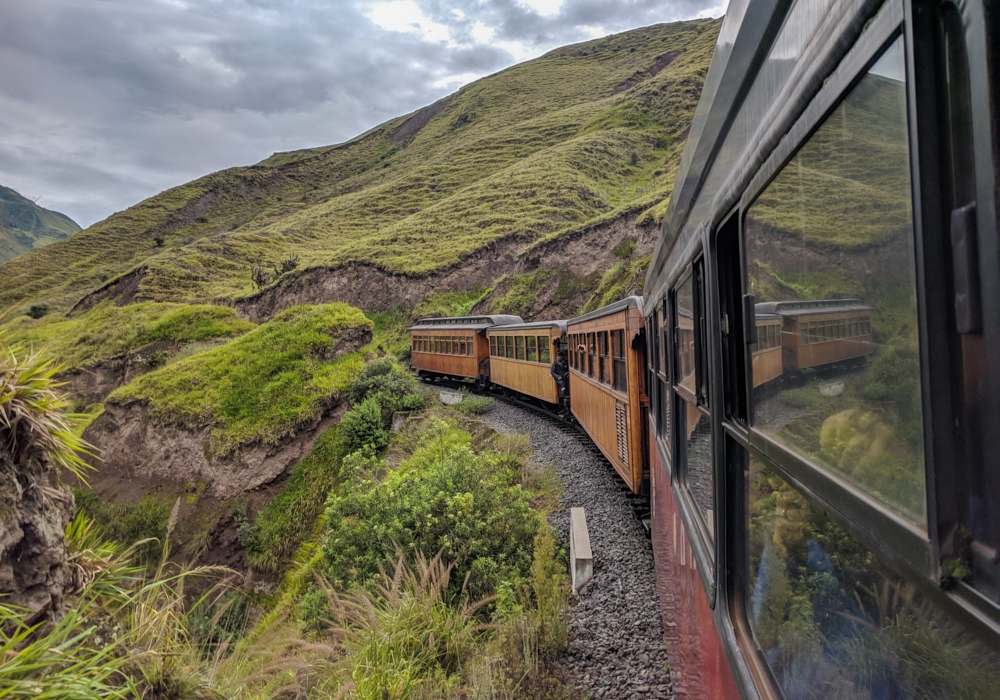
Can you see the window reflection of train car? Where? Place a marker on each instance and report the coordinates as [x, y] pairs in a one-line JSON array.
[[799, 527], [453, 347], [821, 333], [766, 351], [521, 355], [606, 385]]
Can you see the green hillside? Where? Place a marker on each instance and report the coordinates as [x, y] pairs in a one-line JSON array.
[[582, 134], [24, 225]]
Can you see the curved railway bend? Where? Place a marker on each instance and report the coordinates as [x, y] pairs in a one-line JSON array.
[[616, 647]]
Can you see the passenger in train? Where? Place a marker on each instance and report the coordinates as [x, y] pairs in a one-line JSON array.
[[560, 372]]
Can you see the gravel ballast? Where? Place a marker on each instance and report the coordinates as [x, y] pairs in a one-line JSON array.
[[616, 647]]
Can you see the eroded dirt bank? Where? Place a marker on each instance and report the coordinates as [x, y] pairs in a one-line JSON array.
[[584, 254]]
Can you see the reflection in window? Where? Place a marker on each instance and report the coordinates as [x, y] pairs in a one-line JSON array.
[[830, 253], [685, 336], [532, 349], [618, 353], [697, 473], [831, 622], [509, 343]]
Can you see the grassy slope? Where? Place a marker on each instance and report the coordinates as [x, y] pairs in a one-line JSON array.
[[25, 225], [537, 150], [107, 331], [259, 387]]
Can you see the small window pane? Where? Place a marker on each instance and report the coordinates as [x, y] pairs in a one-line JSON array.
[[510, 346], [685, 336], [833, 234], [532, 348], [697, 474], [519, 347], [543, 350], [493, 345], [832, 623]]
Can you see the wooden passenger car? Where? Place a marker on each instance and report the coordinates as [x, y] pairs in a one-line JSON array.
[[522, 354], [766, 352], [607, 385], [825, 332], [455, 346]]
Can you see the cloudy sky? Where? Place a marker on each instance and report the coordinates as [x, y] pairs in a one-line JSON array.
[[106, 102]]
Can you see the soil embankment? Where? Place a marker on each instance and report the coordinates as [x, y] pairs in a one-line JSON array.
[[584, 255]]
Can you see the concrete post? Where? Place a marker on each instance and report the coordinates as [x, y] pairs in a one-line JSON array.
[[581, 559]]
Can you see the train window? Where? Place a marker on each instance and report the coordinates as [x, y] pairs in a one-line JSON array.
[[493, 345], [618, 355], [462, 347], [849, 406], [694, 423], [664, 378], [543, 350], [605, 371], [832, 622], [531, 348], [519, 347], [470, 346], [509, 345], [591, 354]]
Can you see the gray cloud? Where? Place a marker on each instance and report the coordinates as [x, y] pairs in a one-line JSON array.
[[107, 102]]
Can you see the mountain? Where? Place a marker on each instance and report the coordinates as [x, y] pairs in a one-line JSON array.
[[25, 226], [541, 151]]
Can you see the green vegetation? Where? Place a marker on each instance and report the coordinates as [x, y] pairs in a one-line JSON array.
[[445, 498], [621, 280], [536, 151], [450, 303], [107, 331], [259, 387], [475, 405], [25, 225], [128, 524], [380, 388], [822, 602]]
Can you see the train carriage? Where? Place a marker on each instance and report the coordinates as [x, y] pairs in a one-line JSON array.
[[814, 540], [454, 347], [821, 333], [521, 355], [607, 387]]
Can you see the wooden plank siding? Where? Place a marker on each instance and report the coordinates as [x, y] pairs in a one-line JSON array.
[[450, 364], [804, 355], [529, 377], [613, 419]]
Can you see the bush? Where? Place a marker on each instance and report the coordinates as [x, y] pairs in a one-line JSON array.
[[364, 425], [411, 402], [444, 499], [475, 405], [384, 379]]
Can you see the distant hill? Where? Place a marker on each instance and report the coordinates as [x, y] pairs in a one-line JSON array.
[[25, 226], [584, 134]]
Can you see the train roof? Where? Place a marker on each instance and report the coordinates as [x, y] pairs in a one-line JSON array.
[[464, 323], [808, 308], [626, 303], [539, 325]]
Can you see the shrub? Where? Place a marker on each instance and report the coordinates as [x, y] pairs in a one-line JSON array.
[[475, 405], [443, 499], [38, 310], [384, 379], [364, 425], [411, 402]]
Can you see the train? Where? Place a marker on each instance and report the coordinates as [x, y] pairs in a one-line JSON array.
[[805, 390]]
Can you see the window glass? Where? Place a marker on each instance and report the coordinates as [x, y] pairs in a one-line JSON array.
[[832, 236], [693, 421], [833, 623], [462, 347], [493, 345], [543, 350], [470, 345], [532, 348], [519, 347], [591, 352], [602, 346], [618, 353], [685, 336], [510, 346]]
